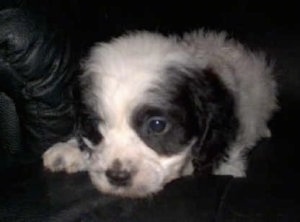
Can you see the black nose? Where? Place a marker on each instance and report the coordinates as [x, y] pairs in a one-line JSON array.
[[118, 177]]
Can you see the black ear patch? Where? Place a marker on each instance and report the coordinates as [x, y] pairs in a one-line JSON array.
[[215, 110], [198, 105], [88, 123], [88, 120]]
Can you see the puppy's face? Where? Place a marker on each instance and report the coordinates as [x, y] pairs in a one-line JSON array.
[[146, 140], [141, 153], [146, 120]]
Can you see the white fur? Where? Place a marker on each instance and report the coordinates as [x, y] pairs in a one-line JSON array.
[[122, 143], [65, 157], [248, 76], [119, 74]]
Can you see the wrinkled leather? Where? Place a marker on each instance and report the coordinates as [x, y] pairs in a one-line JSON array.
[[37, 71], [9, 126]]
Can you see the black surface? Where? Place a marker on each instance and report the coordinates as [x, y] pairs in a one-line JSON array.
[[41, 196]]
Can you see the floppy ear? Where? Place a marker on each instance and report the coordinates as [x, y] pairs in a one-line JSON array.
[[87, 132], [214, 109]]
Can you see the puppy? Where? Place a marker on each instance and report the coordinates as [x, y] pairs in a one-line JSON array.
[[162, 107]]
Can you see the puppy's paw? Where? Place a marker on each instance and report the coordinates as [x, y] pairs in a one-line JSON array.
[[65, 157]]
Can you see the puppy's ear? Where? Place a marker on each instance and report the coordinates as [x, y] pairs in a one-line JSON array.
[[214, 109], [87, 124]]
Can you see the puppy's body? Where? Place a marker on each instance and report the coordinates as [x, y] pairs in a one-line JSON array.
[[163, 107]]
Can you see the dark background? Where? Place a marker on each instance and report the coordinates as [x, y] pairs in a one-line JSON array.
[[100, 20]]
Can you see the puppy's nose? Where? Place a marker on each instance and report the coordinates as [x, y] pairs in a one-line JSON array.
[[118, 177]]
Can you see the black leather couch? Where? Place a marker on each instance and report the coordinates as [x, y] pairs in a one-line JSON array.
[[40, 48]]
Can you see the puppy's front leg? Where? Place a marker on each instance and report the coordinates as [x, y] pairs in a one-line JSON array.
[[65, 156]]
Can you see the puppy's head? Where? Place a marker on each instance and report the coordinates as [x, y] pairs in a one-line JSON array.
[[141, 88]]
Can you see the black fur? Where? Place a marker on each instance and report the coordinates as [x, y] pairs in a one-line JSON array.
[[89, 123], [215, 109], [197, 105], [174, 139], [87, 127], [87, 119], [172, 103]]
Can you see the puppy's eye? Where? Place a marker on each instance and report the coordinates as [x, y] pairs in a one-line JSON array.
[[157, 125]]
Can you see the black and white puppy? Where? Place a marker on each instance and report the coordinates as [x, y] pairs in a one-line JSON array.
[[167, 106]]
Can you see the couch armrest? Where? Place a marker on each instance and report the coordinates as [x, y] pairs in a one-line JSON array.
[[37, 71]]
